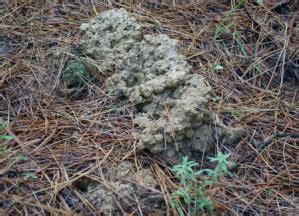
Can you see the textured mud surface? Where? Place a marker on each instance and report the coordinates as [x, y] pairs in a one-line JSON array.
[[151, 72], [123, 186], [109, 37]]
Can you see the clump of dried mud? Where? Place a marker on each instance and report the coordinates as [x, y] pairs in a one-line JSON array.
[[123, 186], [151, 73]]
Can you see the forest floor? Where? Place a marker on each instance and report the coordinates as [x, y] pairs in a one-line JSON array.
[[248, 54]]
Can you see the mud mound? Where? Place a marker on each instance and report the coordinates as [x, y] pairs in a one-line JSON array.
[[152, 73], [127, 186]]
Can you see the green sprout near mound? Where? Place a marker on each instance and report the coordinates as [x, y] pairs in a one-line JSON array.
[[75, 77], [193, 194]]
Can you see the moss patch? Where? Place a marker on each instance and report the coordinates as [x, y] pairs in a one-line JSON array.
[[75, 77]]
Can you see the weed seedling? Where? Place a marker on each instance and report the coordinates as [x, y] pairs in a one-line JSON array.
[[192, 196]]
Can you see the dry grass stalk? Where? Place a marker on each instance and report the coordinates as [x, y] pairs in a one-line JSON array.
[[60, 141]]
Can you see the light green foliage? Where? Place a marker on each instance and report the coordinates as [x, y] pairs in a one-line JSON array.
[[192, 196], [5, 152], [218, 67], [29, 175], [4, 137], [3, 149], [259, 2], [23, 158], [229, 27]]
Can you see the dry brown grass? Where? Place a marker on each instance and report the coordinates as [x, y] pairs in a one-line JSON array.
[[61, 141]]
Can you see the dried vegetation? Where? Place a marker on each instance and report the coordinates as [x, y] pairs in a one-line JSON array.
[[247, 55]]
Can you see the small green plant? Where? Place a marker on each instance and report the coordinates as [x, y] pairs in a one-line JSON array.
[[29, 175], [192, 196], [75, 77], [4, 137], [229, 27], [5, 153], [23, 158], [3, 149], [217, 67]]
